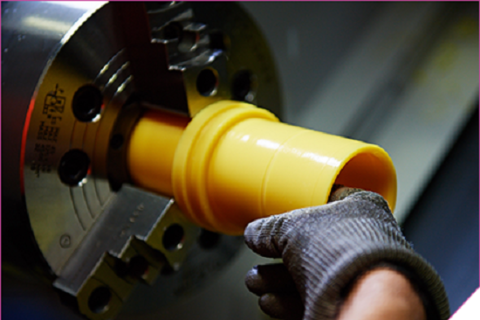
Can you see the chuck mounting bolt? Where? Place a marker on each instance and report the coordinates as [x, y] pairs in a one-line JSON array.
[[234, 163]]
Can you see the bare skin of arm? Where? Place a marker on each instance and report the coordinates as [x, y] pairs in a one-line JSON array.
[[382, 294]]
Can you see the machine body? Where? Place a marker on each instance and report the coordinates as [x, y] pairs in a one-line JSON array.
[[76, 76], [99, 206]]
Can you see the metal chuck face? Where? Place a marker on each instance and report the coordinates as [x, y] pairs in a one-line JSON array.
[[100, 71]]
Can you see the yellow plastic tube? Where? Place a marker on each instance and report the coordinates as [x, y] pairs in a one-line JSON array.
[[234, 163], [152, 148]]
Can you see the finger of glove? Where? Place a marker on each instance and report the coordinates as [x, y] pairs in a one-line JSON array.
[[262, 236], [289, 307], [271, 278], [341, 192], [269, 236]]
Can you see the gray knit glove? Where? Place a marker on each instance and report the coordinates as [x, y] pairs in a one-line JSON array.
[[324, 249]]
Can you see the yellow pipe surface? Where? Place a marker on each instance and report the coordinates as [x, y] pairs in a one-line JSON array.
[[152, 148], [234, 163]]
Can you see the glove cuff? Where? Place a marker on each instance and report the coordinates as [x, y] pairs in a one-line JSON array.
[[350, 266], [431, 309]]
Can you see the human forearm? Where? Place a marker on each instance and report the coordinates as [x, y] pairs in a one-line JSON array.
[[382, 293]]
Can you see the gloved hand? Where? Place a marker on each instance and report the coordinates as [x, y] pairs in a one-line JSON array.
[[325, 248]]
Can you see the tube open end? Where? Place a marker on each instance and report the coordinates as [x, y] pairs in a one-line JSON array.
[[371, 169]]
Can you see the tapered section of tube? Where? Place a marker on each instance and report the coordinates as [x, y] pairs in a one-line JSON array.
[[152, 148], [235, 163]]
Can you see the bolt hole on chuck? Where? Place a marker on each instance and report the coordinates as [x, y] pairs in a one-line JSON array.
[[218, 40], [116, 142], [173, 237], [136, 267], [87, 103], [244, 86], [99, 300], [207, 82], [172, 31], [73, 168]]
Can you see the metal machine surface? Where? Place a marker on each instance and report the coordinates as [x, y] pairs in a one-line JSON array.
[[344, 68], [75, 78]]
